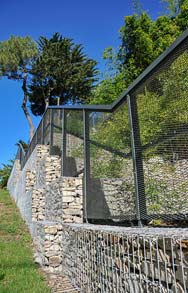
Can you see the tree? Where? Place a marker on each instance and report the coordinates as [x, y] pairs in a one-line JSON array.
[[5, 171], [62, 71], [107, 91], [142, 41], [16, 58], [175, 7]]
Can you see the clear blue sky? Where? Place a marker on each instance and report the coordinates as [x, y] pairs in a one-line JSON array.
[[94, 24]]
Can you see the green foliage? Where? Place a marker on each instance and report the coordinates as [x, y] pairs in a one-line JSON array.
[[5, 171], [114, 132], [75, 123], [105, 165], [175, 7], [62, 71], [16, 56], [182, 17], [108, 90], [162, 110], [142, 41]]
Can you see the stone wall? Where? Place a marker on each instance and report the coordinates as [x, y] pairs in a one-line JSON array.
[[48, 245], [42, 194], [95, 258], [64, 200], [116, 259]]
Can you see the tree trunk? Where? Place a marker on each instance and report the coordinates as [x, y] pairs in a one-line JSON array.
[[47, 99], [47, 102], [26, 112]]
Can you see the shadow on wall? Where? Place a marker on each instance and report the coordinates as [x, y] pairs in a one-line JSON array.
[[70, 168], [97, 207]]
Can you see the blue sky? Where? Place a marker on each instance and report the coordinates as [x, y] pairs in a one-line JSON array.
[[94, 24]]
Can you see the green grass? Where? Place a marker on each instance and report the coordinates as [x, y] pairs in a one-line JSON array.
[[18, 272]]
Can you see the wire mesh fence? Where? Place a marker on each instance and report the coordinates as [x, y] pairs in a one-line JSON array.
[[133, 155], [163, 129]]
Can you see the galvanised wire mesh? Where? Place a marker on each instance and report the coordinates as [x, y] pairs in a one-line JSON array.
[[162, 105], [39, 134], [111, 194], [74, 162], [56, 137], [46, 127], [118, 260], [135, 158]]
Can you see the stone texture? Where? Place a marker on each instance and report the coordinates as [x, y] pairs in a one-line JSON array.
[[64, 200], [42, 194], [118, 260], [48, 243], [96, 258]]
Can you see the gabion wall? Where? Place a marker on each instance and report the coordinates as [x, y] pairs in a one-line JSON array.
[[110, 259]]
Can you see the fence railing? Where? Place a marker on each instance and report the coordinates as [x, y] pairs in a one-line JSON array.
[[133, 154]]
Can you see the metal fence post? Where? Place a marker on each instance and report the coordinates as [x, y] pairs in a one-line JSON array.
[[42, 130], [64, 142], [86, 161], [137, 160], [51, 127], [36, 137]]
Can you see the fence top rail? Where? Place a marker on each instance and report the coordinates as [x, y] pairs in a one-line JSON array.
[[92, 108]]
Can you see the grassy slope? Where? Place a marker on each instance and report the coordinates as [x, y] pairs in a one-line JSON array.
[[18, 273]]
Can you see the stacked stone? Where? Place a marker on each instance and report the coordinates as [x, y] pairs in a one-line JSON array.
[[120, 199], [38, 204], [42, 151], [72, 201], [41, 174], [53, 247], [131, 260], [64, 200], [111, 198], [52, 168], [30, 180]]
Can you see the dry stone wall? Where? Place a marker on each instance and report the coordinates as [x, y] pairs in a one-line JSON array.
[[48, 245], [64, 200], [95, 258], [42, 194], [115, 259], [118, 260], [38, 204]]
